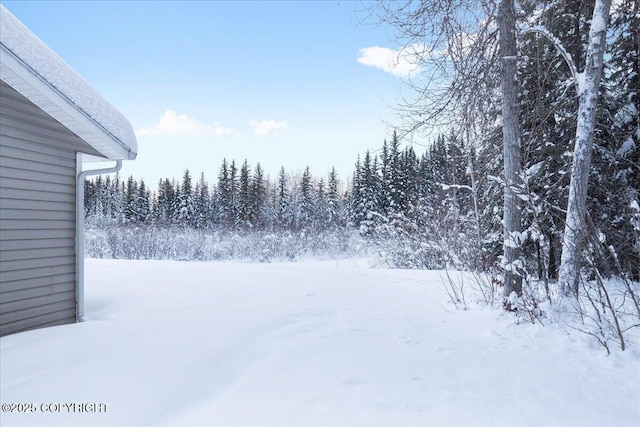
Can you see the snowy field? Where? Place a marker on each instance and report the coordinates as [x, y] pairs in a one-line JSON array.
[[313, 343]]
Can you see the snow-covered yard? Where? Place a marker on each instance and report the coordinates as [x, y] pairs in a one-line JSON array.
[[313, 343]]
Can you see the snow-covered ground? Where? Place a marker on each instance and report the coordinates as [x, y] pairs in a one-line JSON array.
[[313, 343]]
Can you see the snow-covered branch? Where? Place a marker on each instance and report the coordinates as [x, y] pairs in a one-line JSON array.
[[446, 187], [537, 29]]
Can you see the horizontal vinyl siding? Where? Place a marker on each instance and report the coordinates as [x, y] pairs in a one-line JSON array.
[[32, 214], [17, 245], [40, 286], [32, 262], [8, 277], [38, 252], [16, 308], [37, 234], [28, 224], [37, 318], [16, 204], [36, 177], [37, 216]]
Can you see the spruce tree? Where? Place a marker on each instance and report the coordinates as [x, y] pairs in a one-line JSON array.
[[335, 210], [131, 200], [224, 197], [259, 198], [305, 210], [202, 203], [321, 207], [284, 217], [143, 209], [244, 214], [186, 212]]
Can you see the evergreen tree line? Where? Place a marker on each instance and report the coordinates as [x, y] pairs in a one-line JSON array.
[[417, 210], [397, 182], [391, 201], [240, 200]]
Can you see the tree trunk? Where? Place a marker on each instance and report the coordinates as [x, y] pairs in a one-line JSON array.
[[552, 270], [511, 146], [587, 84]]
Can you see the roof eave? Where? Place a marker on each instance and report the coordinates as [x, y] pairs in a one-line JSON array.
[[38, 90], [30, 67]]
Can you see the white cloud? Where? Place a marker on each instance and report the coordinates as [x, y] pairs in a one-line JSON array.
[[174, 124], [400, 63], [266, 127]]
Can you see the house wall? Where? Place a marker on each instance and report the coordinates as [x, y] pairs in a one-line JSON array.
[[37, 216]]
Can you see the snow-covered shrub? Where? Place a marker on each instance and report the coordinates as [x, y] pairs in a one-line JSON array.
[[189, 244]]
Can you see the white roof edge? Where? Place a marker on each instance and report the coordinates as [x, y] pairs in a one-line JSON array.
[[30, 67]]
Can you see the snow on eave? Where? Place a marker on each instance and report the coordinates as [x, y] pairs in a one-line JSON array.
[[30, 67]]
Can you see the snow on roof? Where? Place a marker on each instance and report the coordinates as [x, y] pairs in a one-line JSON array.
[[30, 67]]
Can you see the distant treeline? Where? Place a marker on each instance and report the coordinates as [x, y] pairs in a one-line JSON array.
[[440, 208], [395, 182]]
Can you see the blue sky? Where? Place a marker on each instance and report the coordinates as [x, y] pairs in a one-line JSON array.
[[281, 83]]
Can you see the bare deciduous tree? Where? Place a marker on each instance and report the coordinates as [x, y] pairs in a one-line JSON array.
[[456, 44], [512, 147], [587, 84]]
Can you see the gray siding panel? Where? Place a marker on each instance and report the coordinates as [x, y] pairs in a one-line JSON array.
[[33, 166], [7, 307], [45, 206], [33, 322], [44, 140], [37, 216], [37, 234], [33, 156], [20, 194], [35, 253], [45, 286], [15, 140], [47, 307], [33, 263], [18, 245], [32, 215], [24, 224], [35, 176], [33, 274]]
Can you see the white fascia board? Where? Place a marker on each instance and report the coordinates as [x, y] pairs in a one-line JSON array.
[[38, 74]]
